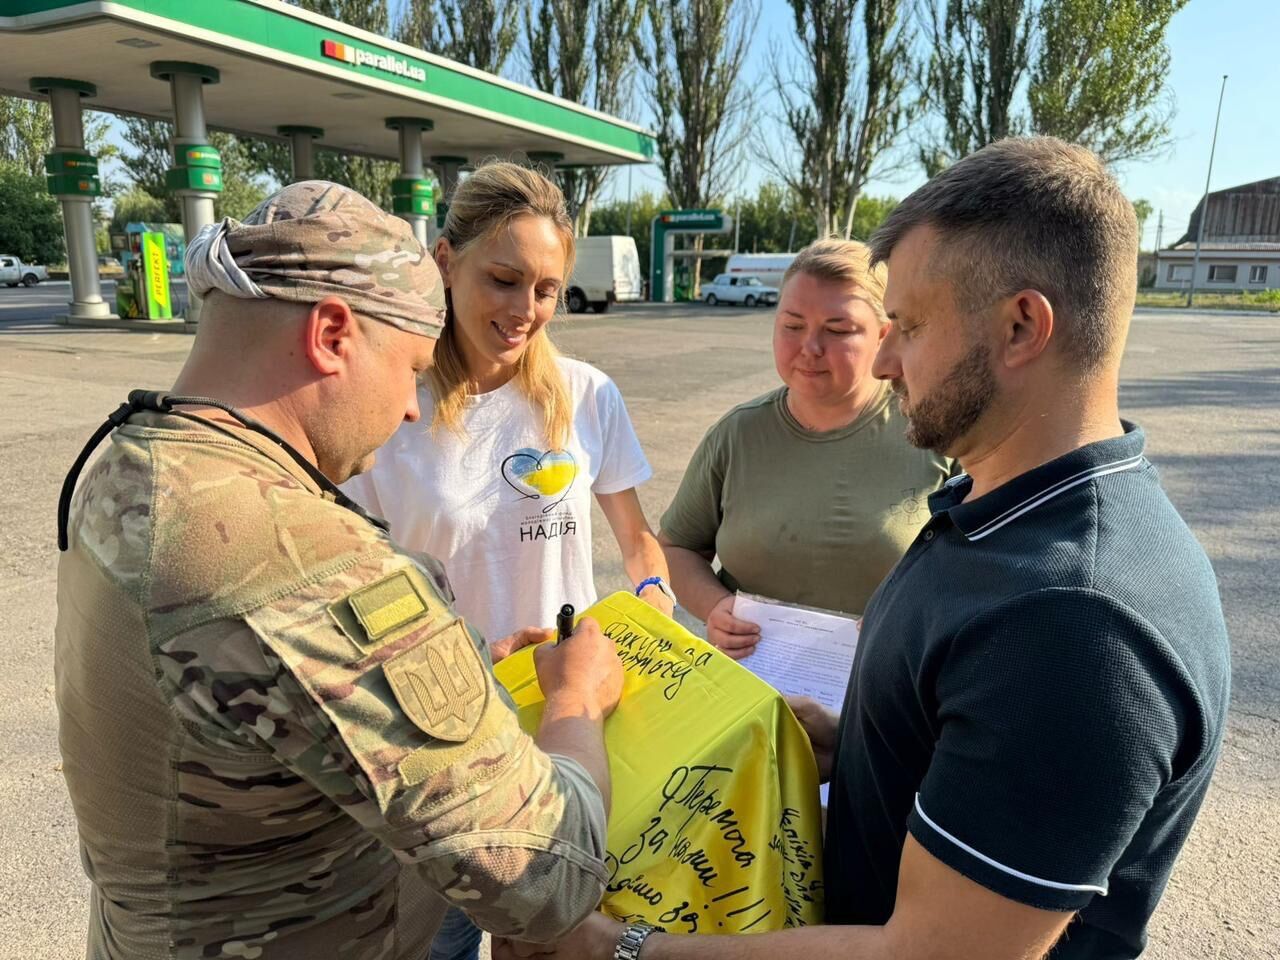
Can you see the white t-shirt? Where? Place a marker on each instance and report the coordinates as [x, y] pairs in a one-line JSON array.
[[510, 519]]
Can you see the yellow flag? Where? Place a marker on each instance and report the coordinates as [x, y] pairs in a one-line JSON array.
[[715, 826]]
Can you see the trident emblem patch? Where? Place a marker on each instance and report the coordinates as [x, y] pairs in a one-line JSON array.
[[440, 684]]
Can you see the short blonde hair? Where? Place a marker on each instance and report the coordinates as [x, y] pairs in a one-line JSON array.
[[481, 205], [845, 262]]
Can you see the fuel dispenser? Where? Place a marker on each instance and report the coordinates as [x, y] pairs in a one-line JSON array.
[[143, 292]]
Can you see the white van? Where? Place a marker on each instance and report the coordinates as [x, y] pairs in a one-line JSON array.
[[769, 267], [607, 269]]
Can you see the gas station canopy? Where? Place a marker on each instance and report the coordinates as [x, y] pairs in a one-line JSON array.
[[282, 66], [268, 69]]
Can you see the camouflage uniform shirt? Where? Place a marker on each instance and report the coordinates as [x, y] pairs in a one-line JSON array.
[[279, 740]]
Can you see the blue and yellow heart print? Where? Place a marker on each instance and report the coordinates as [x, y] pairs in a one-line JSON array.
[[537, 474]]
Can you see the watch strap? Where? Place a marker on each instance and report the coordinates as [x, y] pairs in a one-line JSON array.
[[632, 939]]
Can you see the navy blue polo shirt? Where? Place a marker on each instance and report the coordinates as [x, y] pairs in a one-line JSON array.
[[1039, 696]]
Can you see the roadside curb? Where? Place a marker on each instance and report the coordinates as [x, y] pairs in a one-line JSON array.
[[176, 325], [1175, 311]]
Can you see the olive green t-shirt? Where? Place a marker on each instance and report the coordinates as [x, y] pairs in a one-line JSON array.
[[804, 517]]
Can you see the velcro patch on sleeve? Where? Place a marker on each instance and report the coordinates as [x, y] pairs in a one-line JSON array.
[[386, 609], [441, 684]]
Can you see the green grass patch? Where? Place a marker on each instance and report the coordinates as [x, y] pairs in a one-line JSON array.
[[1268, 300]]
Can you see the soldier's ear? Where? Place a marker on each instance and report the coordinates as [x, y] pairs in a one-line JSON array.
[[330, 333]]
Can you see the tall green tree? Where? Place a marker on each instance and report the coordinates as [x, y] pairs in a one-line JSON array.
[[147, 156], [775, 219], [772, 219], [818, 110], [848, 106], [584, 51], [30, 221], [694, 53], [978, 53], [26, 133], [1095, 73], [136, 205], [371, 15], [1099, 75], [1142, 210], [479, 33]]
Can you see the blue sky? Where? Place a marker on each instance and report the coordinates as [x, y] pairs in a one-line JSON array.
[[1206, 39]]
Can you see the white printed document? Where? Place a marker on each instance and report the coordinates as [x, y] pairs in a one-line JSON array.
[[802, 651]]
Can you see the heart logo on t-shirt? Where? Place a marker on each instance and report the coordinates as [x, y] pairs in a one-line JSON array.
[[536, 475]]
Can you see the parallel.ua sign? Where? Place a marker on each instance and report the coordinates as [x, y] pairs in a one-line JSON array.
[[336, 50]]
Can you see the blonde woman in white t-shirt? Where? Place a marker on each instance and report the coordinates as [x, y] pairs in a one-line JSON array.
[[497, 479]]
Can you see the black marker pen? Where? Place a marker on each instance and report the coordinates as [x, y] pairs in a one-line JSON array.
[[564, 622]]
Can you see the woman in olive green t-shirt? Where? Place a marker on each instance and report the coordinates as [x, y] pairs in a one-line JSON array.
[[811, 493]]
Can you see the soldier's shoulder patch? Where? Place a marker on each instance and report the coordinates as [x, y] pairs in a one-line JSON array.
[[440, 684], [385, 609]]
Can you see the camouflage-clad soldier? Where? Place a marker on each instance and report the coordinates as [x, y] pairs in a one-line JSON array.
[[279, 740]]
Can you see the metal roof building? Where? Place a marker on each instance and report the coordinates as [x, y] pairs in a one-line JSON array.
[[1241, 246]]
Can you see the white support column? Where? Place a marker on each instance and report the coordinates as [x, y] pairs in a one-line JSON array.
[[77, 207], [302, 149], [189, 127], [411, 189], [197, 175]]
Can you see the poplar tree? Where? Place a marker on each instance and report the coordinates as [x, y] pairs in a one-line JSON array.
[[693, 56], [584, 51], [1142, 211], [1095, 72], [479, 33], [847, 108], [978, 54], [1099, 75], [26, 134]]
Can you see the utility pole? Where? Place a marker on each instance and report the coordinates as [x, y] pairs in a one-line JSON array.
[[737, 223], [1204, 203], [1159, 229]]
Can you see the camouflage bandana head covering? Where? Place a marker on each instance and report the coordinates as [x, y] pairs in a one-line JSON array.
[[316, 239]]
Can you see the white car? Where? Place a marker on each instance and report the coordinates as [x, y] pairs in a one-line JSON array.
[[13, 272], [747, 291]]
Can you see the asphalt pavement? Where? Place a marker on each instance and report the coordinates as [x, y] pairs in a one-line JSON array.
[[39, 305], [1205, 387]]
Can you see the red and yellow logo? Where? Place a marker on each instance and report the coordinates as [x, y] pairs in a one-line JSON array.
[[336, 50]]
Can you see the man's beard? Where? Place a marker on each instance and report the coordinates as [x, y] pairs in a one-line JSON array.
[[936, 422]]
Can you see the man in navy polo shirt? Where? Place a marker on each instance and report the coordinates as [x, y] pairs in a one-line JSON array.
[[1041, 685]]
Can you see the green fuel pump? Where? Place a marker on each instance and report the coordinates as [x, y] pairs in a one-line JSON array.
[[143, 293]]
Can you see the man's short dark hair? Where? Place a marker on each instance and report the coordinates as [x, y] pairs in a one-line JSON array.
[[1032, 213]]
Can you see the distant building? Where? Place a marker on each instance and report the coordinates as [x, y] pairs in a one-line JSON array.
[[1241, 248]]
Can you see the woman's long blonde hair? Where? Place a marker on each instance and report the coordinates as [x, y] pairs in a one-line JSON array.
[[494, 195]]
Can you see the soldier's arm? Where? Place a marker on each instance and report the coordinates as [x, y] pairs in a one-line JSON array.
[[366, 685]]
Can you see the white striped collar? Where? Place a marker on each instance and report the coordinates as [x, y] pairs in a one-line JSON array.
[[984, 516]]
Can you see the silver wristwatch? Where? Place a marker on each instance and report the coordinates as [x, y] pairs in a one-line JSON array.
[[632, 939]]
